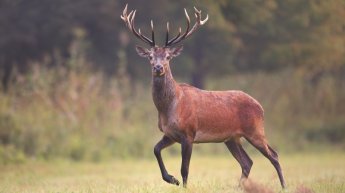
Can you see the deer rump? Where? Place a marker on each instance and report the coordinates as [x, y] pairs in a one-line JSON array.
[[212, 116]]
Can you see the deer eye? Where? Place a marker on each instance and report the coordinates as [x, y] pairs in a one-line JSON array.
[[168, 57], [150, 57]]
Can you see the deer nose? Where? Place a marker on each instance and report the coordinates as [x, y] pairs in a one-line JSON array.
[[158, 68]]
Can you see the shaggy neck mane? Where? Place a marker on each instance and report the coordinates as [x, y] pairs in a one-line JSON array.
[[163, 91]]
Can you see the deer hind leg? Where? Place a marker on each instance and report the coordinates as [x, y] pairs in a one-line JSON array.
[[240, 155], [163, 143], [259, 142]]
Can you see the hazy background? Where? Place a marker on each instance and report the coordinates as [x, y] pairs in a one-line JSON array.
[[73, 87]]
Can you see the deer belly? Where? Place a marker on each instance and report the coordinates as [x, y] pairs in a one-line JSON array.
[[208, 136], [216, 130]]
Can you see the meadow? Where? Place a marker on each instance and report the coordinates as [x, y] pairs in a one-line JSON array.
[[307, 172]]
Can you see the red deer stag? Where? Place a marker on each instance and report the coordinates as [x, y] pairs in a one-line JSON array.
[[189, 115]]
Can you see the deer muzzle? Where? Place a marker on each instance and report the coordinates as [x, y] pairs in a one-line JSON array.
[[158, 70]]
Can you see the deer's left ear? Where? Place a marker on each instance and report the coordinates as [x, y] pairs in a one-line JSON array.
[[176, 51]]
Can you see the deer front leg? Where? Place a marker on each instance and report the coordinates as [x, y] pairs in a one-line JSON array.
[[163, 143], [187, 147]]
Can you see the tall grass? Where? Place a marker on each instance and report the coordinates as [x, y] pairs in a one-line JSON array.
[[74, 112]]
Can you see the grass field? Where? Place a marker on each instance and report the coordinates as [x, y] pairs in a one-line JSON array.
[[307, 172]]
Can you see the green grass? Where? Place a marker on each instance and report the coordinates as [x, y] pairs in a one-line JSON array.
[[318, 172]]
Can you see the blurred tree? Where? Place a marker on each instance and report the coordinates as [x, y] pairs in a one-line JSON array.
[[212, 48], [44, 30], [307, 34]]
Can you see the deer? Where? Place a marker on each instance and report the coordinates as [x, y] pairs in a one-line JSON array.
[[188, 115]]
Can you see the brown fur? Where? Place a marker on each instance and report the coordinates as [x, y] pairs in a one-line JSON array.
[[205, 116]]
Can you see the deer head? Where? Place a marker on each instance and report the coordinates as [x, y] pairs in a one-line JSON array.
[[160, 56]]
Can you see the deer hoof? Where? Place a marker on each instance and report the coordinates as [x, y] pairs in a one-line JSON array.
[[171, 179]]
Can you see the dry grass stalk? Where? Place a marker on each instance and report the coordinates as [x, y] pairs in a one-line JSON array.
[[303, 189], [249, 186]]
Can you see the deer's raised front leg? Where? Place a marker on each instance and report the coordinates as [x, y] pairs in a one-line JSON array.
[[187, 147], [163, 143]]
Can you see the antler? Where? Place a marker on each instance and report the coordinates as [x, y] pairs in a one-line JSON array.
[[129, 21], [178, 38]]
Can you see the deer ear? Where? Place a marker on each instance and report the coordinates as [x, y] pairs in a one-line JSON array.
[[176, 51], [143, 52]]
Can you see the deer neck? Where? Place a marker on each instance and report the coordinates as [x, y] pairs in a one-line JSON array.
[[164, 91]]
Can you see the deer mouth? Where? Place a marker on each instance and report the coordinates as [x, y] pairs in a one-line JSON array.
[[158, 72]]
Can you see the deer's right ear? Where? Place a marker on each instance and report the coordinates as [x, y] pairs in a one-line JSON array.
[[143, 52], [176, 51]]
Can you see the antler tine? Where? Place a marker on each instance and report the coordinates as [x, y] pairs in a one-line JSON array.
[[126, 18], [152, 34], [204, 21], [124, 13], [131, 24], [167, 35], [198, 16], [188, 24], [187, 16], [188, 32], [172, 40], [129, 21], [139, 35]]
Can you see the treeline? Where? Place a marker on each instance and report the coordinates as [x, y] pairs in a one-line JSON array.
[[264, 35]]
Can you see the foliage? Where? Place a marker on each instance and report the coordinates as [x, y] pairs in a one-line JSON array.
[[274, 34]]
